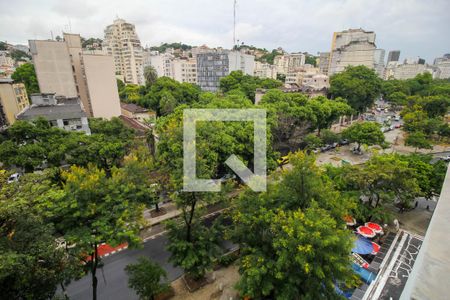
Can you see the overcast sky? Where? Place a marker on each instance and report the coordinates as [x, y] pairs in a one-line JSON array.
[[416, 27]]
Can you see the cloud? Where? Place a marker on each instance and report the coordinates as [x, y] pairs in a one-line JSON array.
[[416, 27]]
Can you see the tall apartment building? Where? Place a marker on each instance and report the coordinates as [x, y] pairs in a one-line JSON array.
[[442, 65], [289, 62], [212, 66], [65, 69], [352, 47], [181, 69], [13, 99], [122, 42], [378, 61], [324, 62], [185, 70], [393, 55]]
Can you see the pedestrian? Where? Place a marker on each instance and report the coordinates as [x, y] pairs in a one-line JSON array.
[[428, 207], [417, 204]]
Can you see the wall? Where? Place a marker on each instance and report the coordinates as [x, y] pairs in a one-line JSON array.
[[102, 85], [53, 67]]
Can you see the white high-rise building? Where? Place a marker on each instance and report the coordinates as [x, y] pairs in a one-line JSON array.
[[378, 60], [122, 42]]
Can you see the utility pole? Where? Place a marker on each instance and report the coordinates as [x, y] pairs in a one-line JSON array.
[[234, 23]]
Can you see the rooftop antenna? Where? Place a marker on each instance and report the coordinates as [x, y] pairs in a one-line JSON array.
[[70, 26], [234, 23]]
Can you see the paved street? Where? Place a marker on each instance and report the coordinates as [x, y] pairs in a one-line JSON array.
[[114, 284]]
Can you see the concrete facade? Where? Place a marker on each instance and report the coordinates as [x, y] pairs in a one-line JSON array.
[[102, 85], [122, 42], [324, 62], [185, 70], [289, 62], [429, 277], [53, 67], [13, 99], [265, 70], [352, 47], [65, 69], [442, 65], [407, 71]]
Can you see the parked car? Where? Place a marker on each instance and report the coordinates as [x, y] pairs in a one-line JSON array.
[[392, 127], [398, 125], [344, 142], [14, 178], [397, 118], [325, 148], [445, 158]]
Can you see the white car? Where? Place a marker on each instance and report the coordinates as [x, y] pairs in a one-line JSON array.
[[397, 118], [14, 178], [446, 158]]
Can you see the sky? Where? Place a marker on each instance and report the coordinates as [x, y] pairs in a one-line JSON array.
[[416, 27]]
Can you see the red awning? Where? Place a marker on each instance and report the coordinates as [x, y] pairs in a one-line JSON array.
[[365, 231], [375, 227]]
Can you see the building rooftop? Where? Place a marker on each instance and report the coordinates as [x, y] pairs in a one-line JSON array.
[[65, 109], [131, 107]]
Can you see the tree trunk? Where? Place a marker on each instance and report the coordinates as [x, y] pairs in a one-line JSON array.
[[156, 206], [189, 223], [359, 147], [93, 272]]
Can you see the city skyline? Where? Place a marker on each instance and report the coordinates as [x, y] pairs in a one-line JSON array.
[[415, 28]]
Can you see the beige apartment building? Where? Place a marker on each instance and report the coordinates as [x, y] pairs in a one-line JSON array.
[[65, 69], [352, 47], [287, 63], [13, 99], [185, 70], [265, 70], [122, 43]]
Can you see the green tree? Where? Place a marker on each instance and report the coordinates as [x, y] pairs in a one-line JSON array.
[[417, 140], [367, 133], [94, 211], [384, 179], [329, 137], [150, 75], [27, 75], [359, 85], [312, 141], [237, 80], [33, 263], [166, 94], [312, 60], [145, 278], [286, 236]]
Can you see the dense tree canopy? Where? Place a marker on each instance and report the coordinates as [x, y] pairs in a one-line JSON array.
[[359, 85], [37, 145], [237, 80], [286, 236]]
